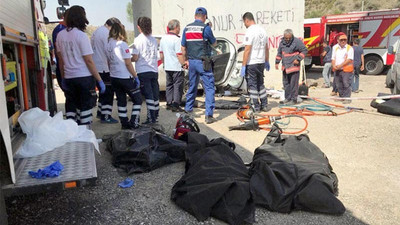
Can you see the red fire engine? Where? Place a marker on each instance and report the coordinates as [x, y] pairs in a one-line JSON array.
[[378, 32]]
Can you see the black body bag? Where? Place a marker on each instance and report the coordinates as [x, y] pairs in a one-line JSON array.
[[291, 173], [144, 149]]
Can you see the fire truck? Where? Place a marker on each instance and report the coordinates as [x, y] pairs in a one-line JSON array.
[[378, 32]]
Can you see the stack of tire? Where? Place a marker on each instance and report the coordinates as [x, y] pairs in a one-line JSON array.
[[387, 106], [393, 80]]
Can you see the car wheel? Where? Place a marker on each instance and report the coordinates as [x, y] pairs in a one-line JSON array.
[[373, 65]]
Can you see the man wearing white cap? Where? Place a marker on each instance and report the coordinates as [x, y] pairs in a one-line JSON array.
[[342, 65]]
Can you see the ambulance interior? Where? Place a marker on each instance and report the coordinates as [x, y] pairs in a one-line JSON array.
[[12, 85]]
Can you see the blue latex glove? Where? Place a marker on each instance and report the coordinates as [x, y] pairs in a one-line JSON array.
[[102, 87], [267, 66], [53, 170], [243, 71], [64, 84], [127, 183], [137, 82]]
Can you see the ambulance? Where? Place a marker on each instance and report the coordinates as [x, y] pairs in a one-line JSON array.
[[27, 83]]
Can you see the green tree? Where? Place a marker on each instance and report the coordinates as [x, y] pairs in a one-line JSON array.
[[129, 12], [314, 14]]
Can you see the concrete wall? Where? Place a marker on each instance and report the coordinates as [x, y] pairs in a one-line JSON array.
[[226, 17]]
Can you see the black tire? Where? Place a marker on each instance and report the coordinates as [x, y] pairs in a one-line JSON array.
[[396, 87], [373, 65], [389, 83]]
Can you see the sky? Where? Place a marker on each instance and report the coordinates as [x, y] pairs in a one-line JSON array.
[[97, 11]]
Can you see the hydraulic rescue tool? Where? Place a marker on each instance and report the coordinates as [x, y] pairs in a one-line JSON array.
[[250, 120], [253, 123]]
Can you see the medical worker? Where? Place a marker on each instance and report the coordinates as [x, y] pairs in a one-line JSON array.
[[147, 67], [124, 79], [99, 41], [77, 68]]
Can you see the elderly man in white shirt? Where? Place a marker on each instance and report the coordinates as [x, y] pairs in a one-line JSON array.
[[171, 56], [342, 65]]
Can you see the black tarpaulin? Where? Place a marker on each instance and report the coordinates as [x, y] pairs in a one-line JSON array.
[[224, 104], [216, 182], [144, 149], [291, 173]]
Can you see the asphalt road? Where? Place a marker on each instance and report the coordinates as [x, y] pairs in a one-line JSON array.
[[363, 149]]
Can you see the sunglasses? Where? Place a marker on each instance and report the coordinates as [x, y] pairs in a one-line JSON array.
[[342, 39]]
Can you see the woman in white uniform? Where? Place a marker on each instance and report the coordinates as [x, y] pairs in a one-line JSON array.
[[77, 68], [147, 68], [124, 79]]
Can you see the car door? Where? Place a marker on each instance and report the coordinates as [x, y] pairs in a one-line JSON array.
[[224, 58]]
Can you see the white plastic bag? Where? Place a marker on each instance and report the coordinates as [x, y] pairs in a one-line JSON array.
[[45, 133]]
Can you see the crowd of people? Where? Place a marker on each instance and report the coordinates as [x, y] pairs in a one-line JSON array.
[[106, 60]]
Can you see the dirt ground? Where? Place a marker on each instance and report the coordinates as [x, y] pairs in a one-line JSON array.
[[363, 149]]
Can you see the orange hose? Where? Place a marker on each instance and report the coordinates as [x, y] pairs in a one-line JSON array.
[[306, 112], [327, 103], [23, 77], [335, 105], [293, 132], [299, 112], [295, 111]]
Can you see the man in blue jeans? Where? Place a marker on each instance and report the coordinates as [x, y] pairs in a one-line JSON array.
[[358, 65], [327, 60], [196, 44]]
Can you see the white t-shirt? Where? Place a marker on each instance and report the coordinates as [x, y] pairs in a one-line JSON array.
[[117, 52], [339, 54], [170, 46], [147, 52], [99, 42], [73, 45], [256, 36], [133, 50]]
